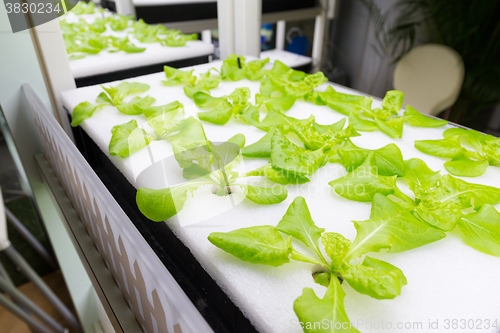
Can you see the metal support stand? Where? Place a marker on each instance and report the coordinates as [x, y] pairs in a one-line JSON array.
[[28, 306], [28, 236], [18, 312], [19, 261], [6, 285], [6, 277]]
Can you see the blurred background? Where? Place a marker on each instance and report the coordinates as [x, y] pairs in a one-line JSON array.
[[367, 38]]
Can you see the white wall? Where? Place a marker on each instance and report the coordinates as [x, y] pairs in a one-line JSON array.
[[353, 37], [18, 65]]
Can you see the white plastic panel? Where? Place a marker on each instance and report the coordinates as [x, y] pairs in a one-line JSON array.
[[160, 305]]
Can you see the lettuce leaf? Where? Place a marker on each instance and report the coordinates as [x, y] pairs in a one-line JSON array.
[[127, 139], [290, 158], [481, 230], [365, 182], [415, 118], [259, 245], [84, 111], [118, 93], [375, 278], [391, 227], [330, 309], [464, 162]]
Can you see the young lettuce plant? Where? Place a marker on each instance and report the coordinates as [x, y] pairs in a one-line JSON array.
[[192, 84], [441, 203], [363, 118], [282, 81], [207, 164], [128, 138], [221, 109], [82, 38], [266, 245], [289, 162], [82, 8], [113, 96], [123, 44], [391, 227], [464, 162], [119, 22], [376, 174], [444, 201], [236, 68], [388, 159]]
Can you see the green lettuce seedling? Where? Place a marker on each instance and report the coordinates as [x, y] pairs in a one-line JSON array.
[[266, 245], [391, 227], [113, 96], [82, 38], [282, 81], [127, 138], [82, 8], [236, 68], [363, 118], [237, 104], [206, 164], [441, 203], [464, 162], [192, 84], [292, 163], [365, 181], [220, 109]]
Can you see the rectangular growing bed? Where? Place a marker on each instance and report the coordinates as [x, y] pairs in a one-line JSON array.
[[447, 280]]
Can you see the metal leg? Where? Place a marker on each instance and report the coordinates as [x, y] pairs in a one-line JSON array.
[[19, 261], [28, 236], [18, 312], [3, 273], [26, 304], [6, 277]]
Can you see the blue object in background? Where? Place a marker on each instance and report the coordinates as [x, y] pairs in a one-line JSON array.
[[266, 35], [298, 44]]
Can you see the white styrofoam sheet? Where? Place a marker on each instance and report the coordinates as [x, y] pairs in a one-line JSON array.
[[155, 53], [447, 280], [288, 58]]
